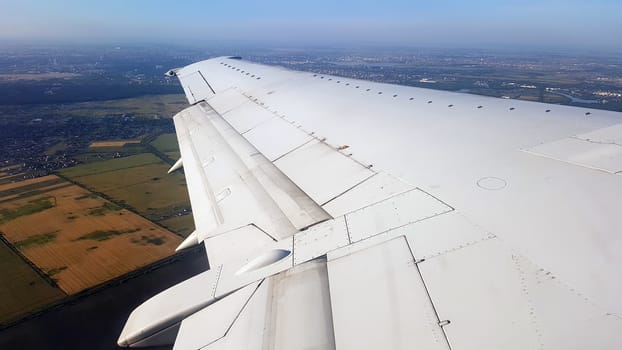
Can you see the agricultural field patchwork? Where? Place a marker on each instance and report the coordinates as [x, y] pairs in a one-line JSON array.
[[65, 233], [14, 190], [139, 182], [23, 288]]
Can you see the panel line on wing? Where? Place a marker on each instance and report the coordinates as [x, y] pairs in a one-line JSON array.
[[244, 307], [191, 93], [349, 189], [427, 291], [345, 219], [206, 184], [292, 150], [237, 228], [205, 80]]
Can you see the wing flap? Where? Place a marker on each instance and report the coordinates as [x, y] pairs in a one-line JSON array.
[[196, 87], [234, 185], [238, 243], [289, 138], [300, 318], [212, 323], [151, 323], [246, 116], [321, 171], [380, 301]]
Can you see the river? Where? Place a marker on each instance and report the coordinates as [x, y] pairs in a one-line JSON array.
[[574, 99]]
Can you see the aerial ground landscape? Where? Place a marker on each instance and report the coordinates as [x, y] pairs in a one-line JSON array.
[[87, 210]]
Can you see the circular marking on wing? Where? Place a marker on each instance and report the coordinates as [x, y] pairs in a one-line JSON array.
[[491, 183]]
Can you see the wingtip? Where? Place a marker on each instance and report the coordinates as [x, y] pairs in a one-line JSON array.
[[172, 72]]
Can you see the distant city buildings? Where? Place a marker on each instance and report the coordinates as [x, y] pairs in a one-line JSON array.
[[607, 93]]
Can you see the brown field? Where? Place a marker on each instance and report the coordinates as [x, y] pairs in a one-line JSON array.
[[28, 188], [22, 289], [10, 178], [79, 239], [119, 143], [4, 174], [38, 190], [36, 180], [11, 167]]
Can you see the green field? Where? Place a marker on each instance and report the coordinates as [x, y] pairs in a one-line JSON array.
[[59, 147], [26, 290], [97, 154], [173, 154], [138, 182], [146, 106], [107, 166], [166, 143], [182, 225], [163, 106]]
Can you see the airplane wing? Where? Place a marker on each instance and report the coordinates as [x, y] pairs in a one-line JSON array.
[[344, 214]]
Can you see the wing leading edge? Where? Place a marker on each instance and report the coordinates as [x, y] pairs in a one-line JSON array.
[[338, 213]]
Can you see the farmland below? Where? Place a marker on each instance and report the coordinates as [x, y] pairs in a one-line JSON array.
[[59, 239], [85, 197], [23, 287], [138, 182], [81, 226]]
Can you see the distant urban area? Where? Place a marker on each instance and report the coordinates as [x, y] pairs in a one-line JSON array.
[[55, 101]]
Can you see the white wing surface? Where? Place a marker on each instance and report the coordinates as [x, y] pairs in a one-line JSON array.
[[345, 214]]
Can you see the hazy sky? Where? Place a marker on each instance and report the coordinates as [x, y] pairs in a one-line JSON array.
[[541, 23]]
